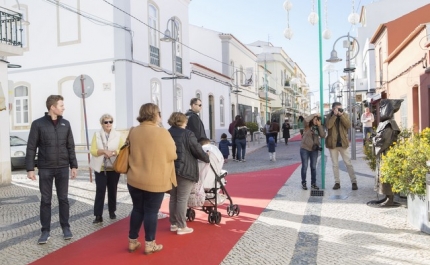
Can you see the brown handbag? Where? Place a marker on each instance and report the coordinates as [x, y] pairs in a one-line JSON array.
[[120, 164]]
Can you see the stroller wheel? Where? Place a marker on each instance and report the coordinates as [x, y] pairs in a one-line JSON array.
[[212, 217], [230, 210], [218, 218], [192, 215], [236, 209]]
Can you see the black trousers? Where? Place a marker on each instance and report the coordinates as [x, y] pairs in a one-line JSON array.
[[109, 181], [233, 148], [46, 180]]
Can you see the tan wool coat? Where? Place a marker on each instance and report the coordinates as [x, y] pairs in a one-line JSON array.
[[344, 125], [152, 156]]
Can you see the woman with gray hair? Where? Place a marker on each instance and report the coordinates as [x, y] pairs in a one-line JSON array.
[[104, 149]]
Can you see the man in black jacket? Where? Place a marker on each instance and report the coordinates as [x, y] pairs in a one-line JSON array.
[[195, 124], [53, 136]]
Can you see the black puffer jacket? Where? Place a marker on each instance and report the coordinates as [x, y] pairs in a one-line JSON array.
[[55, 143], [188, 151], [195, 125]]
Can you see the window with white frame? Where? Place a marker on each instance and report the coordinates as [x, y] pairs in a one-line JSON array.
[[179, 99], [221, 111], [154, 48], [156, 93], [68, 23], [21, 106]]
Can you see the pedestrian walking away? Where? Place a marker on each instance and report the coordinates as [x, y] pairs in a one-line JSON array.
[[194, 122], [240, 135], [338, 123], [150, 175], [274, 130], [309, 147], [52, 136], [223, 147], [271, 146], [104, 150], [231, 131]]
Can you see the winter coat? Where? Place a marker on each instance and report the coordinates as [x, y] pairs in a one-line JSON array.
[[240, 132], [311, 137], [223, 147], [55, 143], [188, 151], [151, 160], [195, 125], [286, 130], [271, 145], [114, 143], [344, 125]]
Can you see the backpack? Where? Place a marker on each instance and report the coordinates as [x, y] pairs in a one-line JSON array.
[[241, 133]]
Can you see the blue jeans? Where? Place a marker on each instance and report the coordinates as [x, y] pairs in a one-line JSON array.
[[179, 202], [367, 130], [241, 148], [109, 181], [46, 179], [145, 210], [305, 155]]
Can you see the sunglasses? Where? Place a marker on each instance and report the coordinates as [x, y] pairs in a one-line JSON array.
[[106, 122]]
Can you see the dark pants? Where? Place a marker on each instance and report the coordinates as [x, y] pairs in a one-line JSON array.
[[275, 136], [306, 155], [46, 179], [233, 148], [109, 181], [145, 210], [241, 148], [267, 137]]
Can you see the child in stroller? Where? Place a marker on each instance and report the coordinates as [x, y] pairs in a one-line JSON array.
[[210, 191]]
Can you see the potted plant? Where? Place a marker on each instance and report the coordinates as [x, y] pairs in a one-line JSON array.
[[405, 168], [252, 127]]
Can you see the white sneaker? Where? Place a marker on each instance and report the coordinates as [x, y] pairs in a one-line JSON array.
[[173, 228], [185, 230]]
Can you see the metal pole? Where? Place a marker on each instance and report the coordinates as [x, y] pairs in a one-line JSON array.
[[321, 94], [350, 108], [86, 125], [265, 83], [175, 94], [237, 95]]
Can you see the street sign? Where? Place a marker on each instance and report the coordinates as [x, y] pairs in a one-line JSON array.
[[88, 86]]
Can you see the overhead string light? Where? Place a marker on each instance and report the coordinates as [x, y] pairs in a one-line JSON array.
[[353, 18], [327, 31], [288, 32], [313, 16]]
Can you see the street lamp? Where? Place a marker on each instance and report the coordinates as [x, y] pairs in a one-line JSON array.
[[247, 83], [349, 70], [172, 37]]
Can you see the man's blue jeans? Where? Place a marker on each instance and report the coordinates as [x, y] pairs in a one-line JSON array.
[[306, 155], [145, 210], [46, 179]]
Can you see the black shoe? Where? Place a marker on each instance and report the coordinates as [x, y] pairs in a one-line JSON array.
[[43, 239], [315, 187], [67, 234], [112, 215], [98, 219], [354, 186], [304, 186], [336, 186]]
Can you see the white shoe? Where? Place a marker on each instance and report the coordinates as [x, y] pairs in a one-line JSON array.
[[173, 228], [185, 230]]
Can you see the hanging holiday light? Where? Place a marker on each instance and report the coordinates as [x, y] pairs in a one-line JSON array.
[[313, 17], [288, 32], [327, 32], [353, 18]]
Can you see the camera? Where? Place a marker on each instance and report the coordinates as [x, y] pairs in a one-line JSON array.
[[340, 110]]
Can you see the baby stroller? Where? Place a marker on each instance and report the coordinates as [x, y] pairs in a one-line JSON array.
[[210, 191]]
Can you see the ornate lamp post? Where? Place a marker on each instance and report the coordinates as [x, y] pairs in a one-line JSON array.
[[247, 83]]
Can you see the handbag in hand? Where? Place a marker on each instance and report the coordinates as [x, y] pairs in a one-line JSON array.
[[120, 164]]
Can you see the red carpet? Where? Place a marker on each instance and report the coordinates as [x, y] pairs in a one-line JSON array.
[[208, 244], [295, 138]]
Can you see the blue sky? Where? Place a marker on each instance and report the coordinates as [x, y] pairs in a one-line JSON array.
[[251, 20]]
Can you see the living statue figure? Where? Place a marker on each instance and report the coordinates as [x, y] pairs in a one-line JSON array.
[[386, 135]]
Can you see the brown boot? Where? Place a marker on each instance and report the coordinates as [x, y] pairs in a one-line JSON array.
[[151, 247], [133, 244]]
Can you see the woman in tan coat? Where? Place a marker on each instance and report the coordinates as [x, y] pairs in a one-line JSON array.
[[151, 174]]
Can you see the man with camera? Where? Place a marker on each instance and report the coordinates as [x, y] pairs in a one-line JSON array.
[[338, 123]]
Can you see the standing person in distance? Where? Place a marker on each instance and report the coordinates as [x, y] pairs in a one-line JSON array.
[[274, 130], [309, 147], [104, 149], [195, 124], [286, 130], [188, 150], [337, 124], [151, 173], [240, 132], [272, 148], [53, 136], [223, 146], [367, 120], [267, 129], [231, 131]]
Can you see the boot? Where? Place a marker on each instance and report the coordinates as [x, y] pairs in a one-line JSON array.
[[270, 156], [133, 244], [274, 156], [151, 247]]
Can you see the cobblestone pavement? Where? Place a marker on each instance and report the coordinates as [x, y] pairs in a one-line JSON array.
[[295, 228]]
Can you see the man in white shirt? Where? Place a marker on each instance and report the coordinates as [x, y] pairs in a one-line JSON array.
[[367, 120]]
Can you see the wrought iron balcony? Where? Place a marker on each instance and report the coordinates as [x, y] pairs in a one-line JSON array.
[[10, 27], [154, 54], [178, 65]]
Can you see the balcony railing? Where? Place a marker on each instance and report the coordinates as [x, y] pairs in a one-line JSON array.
[[10, 27], [269, 89], [154, 54]]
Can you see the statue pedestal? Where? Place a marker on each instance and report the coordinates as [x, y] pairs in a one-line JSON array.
[[418, 213]]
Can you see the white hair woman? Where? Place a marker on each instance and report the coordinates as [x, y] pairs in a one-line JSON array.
[[104, 149]]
